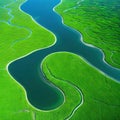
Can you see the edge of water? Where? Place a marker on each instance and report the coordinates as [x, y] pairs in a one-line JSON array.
[[54, 53]]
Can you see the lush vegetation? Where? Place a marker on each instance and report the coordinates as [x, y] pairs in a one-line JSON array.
[[19, 36], [99, 23], [14, 43], [101, 94]]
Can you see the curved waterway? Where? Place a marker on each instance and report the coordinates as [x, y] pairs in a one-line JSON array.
[[40, 92]]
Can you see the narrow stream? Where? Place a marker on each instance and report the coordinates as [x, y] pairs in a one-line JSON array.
[[40, 92]]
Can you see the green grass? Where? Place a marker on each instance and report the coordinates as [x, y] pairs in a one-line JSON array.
[[99, 23], [13, 105], [3, 14], [65, 70], [14, 39], [101, 94]]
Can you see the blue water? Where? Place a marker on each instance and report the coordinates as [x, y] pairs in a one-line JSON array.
[[40, 92]]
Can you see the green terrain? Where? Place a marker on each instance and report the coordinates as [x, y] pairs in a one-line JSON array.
[[99, 23], [89, 94]]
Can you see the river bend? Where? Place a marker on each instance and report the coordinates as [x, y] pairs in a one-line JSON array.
[[40, 92]]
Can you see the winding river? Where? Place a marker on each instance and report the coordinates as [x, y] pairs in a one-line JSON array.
[[27, 71]]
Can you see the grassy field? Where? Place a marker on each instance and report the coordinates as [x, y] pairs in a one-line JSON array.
[[101, 99], [88, 93], [99, 23]]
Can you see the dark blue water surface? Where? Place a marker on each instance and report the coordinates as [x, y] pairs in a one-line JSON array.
[[27, 71]]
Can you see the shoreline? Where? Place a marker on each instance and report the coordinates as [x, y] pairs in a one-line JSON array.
[[82, 40], [27, 55], [60, 51]]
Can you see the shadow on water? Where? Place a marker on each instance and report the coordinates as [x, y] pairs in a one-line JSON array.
[[27, 71]]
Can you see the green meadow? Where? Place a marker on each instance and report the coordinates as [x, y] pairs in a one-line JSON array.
[[99, 23], [89, 94]]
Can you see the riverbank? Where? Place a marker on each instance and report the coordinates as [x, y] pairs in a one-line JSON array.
[[101, 94], [100, 29], [25, 69], [90, 85]]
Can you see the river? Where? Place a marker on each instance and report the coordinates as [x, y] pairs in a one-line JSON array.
[[27, 71]]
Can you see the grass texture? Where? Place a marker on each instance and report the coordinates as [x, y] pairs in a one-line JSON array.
[[88, 93]]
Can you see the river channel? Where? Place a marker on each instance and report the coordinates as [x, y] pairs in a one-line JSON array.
[[40, 92]]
